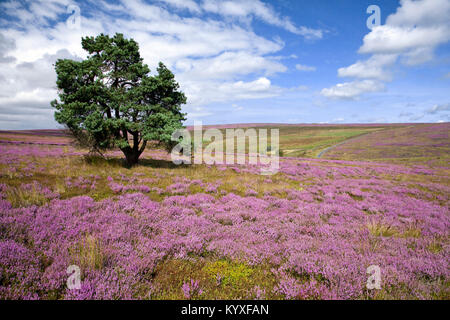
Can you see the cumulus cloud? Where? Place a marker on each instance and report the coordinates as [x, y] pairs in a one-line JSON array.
[[352, 90], [228, 65], [388, 39], [410, 35], [415, 29], [373, 68], [27, 88], [214, 91], [210, 45]]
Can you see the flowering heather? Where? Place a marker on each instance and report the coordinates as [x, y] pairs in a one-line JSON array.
[[164, 232], [191, 289], [118, 188], [421, 143]]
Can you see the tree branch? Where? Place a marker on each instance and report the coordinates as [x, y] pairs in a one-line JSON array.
[[144, 144]]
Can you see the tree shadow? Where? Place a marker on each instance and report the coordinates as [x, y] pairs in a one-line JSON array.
[[160, 163], [98, 160]]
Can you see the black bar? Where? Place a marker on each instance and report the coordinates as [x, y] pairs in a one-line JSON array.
[[229, 309]]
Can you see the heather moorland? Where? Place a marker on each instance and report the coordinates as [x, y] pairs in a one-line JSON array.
[[378, 195]]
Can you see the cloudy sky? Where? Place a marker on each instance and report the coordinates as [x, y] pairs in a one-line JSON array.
[[238, 61]]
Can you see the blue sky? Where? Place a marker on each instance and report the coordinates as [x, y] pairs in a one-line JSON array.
[[279, 61]]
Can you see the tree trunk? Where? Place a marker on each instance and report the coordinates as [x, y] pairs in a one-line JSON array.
[[132, 156]]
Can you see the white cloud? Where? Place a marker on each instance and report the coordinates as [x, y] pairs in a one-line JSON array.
[[440, 110], [40, 12], [302, 67], [108, 6], [417, 56], [437, 108], [206, 92], [6, 45], [351, 90], [211, 56], [228, 65], [388, 39], [244, 9], [412, 33], [373, 68], [27, 88], [424, 13], [415, 29], [184, 4], [262, 84]]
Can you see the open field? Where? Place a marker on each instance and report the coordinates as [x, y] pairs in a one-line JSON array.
[[160, 231], [308, 141], [423, 143]]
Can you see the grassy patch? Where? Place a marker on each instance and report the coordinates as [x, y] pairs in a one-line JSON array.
[[87, 253], [237, 281], [228, 273], [379, 229], [19, 197]]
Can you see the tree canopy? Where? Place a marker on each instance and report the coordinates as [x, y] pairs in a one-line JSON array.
[[110, 99]]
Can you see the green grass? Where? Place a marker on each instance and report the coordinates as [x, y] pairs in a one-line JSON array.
[[238, 280], [307, 141]]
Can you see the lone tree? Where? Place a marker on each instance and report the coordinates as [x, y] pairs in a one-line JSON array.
[[110, 99]]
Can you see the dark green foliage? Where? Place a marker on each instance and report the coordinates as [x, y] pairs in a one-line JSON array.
[[110, 99]]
